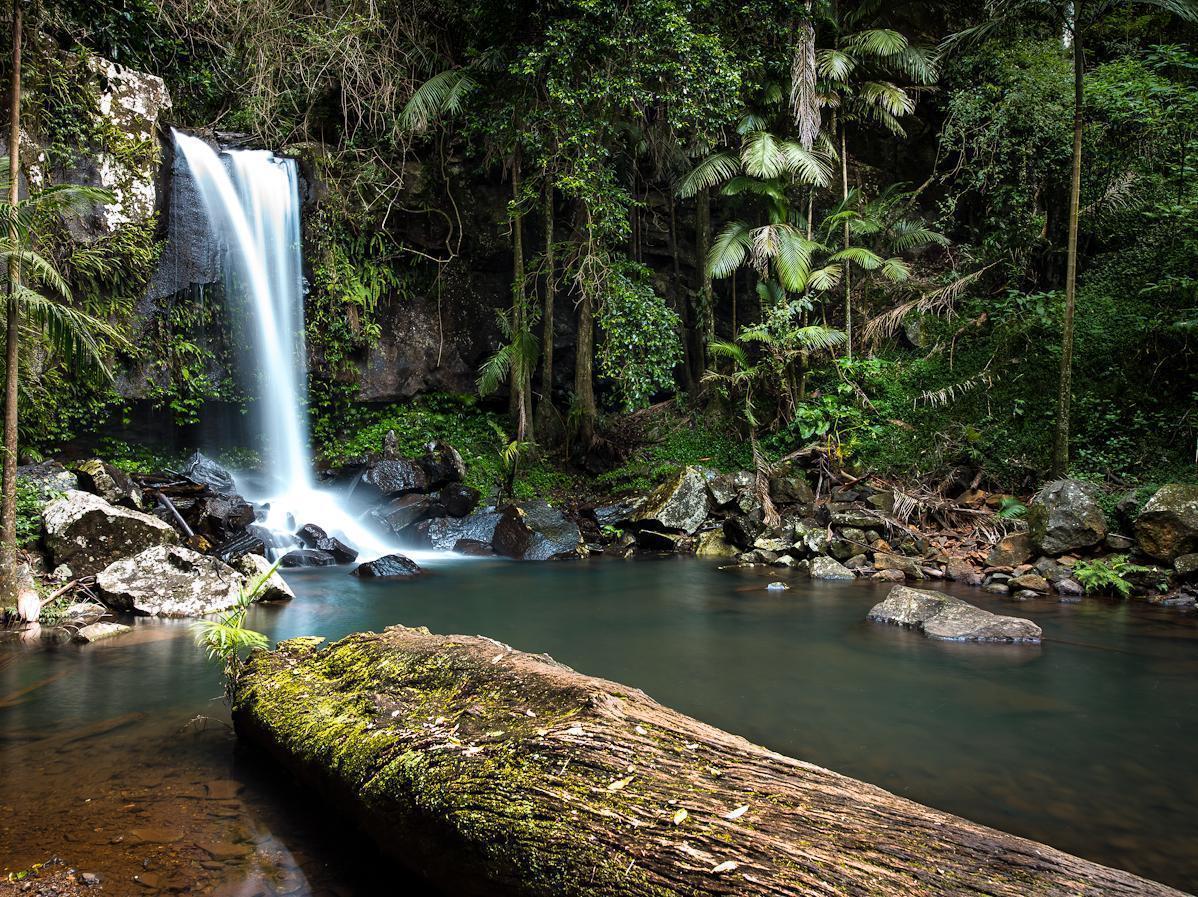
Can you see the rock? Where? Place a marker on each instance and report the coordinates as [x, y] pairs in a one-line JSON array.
[[961, 570], [1051, 569], [785, 560], [908, 566], [1069, 587], [812, 540], [472, 548], [941, 616], [96, 632], [1010, 551], [307, 557], [310, 535], [791, 490], [841, 549], [203, 470], [724, 488], [442, 533], [1065, 516], [882, 501], [84, 612], [855, 519], [889, 576], [613, 515], [534, 531], [238, 545], [341, 552], [777, 587], [857, 562], [458, 499], [1186, 565], [253, 567], [656, 540], [740, 532], [389, 566], [1031, 582], [757, 556], [402, 512], [1127, 509], [390, 445], [389, 478], [169, 581], [221, 517], [1025, 595], [680, 503], [87, 534], [89, 879], [1168, 525], [442, 465], [711, 544], [997, 588], [829, 569], [771, 543], [1116, 542], [51, 479], [110, 483]]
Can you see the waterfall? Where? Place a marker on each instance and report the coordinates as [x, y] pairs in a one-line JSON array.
[[253, 205]]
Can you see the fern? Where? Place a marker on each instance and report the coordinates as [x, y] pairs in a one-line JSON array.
[[1107, 575]]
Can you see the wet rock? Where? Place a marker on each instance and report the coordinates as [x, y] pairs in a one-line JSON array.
[[1031, 582], [310, 535], [882, 501], [110, 483], [203, 470], [829, 569], [1069, 587], [997, 588], [1025, 595], [841, 549], [400, 513], [711, 544], [307, 557], [613, 515], [777, 587], [442, 465], [254, 567], [724, 488], [51, 479], [772, 543], [534, 531], [389, 478], [738, 531], [458, 499], [680, 503], [1010, 551], [83, 613], [389, 566], [857, 562], [390, 445], [97, 632], [941, 616], [1064, 517], [889, 576], [810, 539], [961, 570], [1168, 525], [472, 548], [907, 566], [791, 490], [169, 581], [341, 552], [238, 546], [220, 517], [442, 533], [1186, 565], [87, 534]]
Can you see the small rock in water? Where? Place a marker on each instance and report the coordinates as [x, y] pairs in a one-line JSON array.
[[307, 557], [96, 632], [311, 535], [944, 617], [338, 549], [389, 566], [777, 587]]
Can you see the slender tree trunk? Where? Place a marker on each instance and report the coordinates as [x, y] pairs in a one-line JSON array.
[[848, 267], [1060, 454], [688, 374], [584, 362], [546, 414], [521, 373], [705, 318], [8, 514]]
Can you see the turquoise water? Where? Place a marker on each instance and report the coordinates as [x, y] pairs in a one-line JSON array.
[[1085, 742]]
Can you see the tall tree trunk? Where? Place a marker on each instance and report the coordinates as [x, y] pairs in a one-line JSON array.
[[704, 314], [584, 360], [688, 372], [546, 416], [8, 513], [521, 373], [848, 268], [1060, 453]]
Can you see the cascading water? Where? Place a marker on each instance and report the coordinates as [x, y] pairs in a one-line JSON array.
[[253, 204]]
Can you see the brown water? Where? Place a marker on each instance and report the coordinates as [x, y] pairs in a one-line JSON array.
[[118, 758]]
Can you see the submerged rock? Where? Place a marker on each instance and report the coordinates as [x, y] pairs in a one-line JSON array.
[[254, 567], [680, 503], [110, 483], [87, 534], [944, 617], [389, 566], [1168, 525], [96, 632], [307, 557], [534, 531], [169, 581], [1064, 517]]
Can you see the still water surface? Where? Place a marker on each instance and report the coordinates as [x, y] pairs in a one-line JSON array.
[[118, 758]]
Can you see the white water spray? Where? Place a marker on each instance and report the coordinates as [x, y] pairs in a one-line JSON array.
[[254, 204]]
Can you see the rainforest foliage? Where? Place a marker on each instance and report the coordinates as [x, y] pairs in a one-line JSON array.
[[797, 220]]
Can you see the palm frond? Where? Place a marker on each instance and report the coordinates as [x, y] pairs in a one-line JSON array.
[[804, 99], [729, 249], [863, 258], [440, 96], [809, 166], [711, 172], [940, 301], [816, 337], [792, 257], [724, 349], [877, 42], [888, 97], [77, 335], [762, 155], [494, 370], [835, 65]]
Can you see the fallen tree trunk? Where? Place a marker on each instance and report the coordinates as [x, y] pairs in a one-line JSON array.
[[493, 772]]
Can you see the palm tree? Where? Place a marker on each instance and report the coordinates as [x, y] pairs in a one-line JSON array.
[[1071, 19]]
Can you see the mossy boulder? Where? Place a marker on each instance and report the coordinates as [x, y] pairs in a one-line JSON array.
[[1065, 516], [1168, 526], [169, 581], [86, 533], [680, 503]]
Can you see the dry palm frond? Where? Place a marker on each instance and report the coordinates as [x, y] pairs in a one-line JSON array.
[[938, 398], [1117, 196], [804, 98], [940, 301]]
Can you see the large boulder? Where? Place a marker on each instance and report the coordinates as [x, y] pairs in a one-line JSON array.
[[1168, 526], [827, 568], [442, 533], [1011, 551], [307, 557], [50, 478], [110, 483], [1065, 517], [944, 617], [533, 531], [725, 488], [458, 499], [169, 581], [402, 512], [680, 503], [220, 517], [255, 568], [391, 477], [442, 465], [389, 566], [87, 534], [203, 470]]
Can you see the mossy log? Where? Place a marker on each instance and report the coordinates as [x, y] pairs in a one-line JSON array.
[[492, 772]]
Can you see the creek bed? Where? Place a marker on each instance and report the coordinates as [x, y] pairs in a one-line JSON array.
[[118, 759]]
